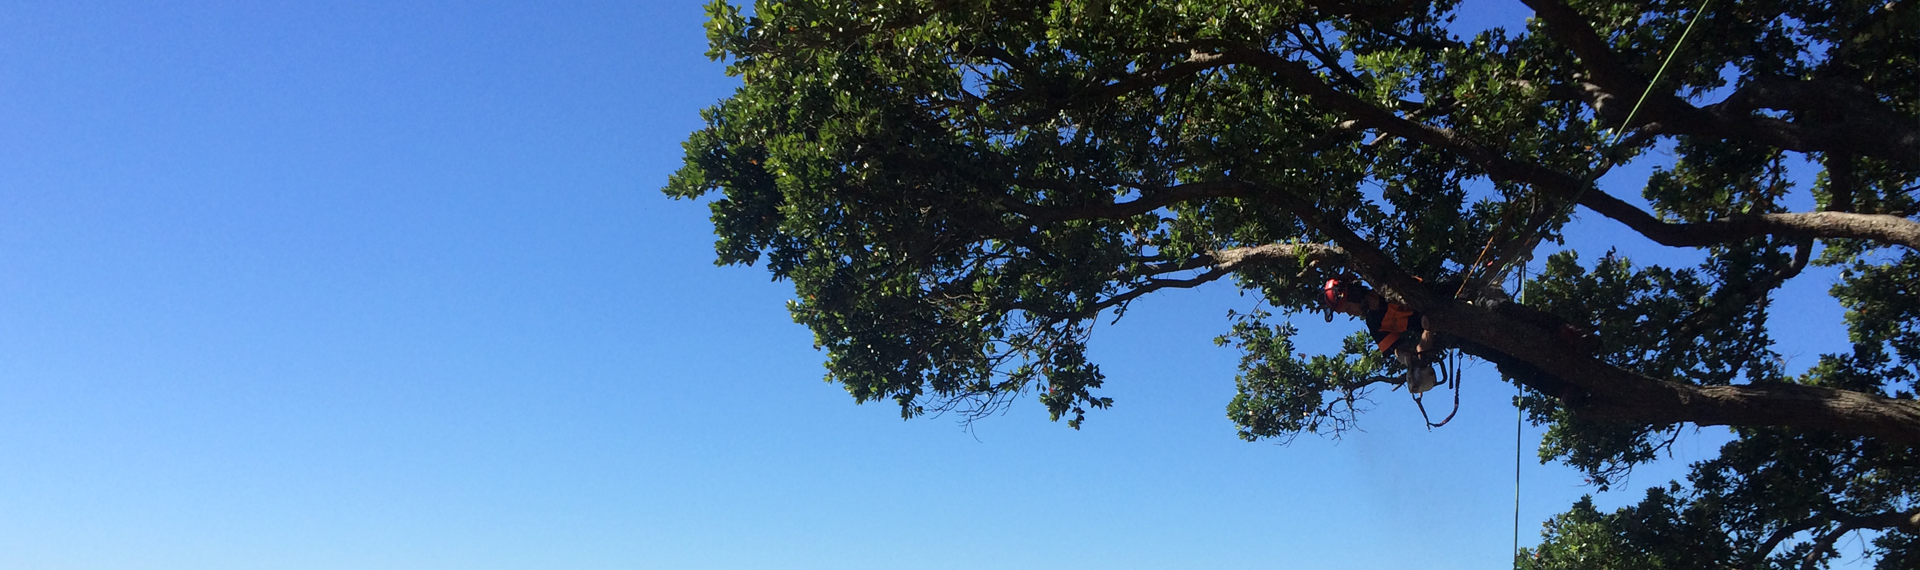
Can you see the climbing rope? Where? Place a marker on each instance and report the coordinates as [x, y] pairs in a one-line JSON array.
[[1606, 163], [1519, 415]]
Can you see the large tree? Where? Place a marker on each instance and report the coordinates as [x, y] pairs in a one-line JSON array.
[[958, 188]]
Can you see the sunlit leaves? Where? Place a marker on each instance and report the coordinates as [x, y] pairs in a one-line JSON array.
[[958, 190]]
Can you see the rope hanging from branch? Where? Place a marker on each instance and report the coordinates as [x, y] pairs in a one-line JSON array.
[[1530, 237]]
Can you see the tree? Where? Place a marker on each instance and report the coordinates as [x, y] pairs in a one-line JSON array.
[[957, 188]]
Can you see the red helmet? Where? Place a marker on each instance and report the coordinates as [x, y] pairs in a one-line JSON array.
[[1333, 291]]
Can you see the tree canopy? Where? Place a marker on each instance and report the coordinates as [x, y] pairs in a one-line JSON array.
[[957, 189]]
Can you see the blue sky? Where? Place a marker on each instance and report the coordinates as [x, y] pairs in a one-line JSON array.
[[391, 285]]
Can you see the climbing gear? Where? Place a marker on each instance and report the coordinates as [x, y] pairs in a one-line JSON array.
[[1519, 413], [1449, 367]]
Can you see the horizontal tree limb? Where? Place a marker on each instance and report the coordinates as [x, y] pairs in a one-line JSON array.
[[1613, 392], [1879, 228]]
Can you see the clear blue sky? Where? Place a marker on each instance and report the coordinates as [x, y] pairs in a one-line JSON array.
[[391, 285]]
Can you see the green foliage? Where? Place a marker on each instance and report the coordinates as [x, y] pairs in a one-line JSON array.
[[1766, 487], [1282, 393], [957, 189], [1585, 539]]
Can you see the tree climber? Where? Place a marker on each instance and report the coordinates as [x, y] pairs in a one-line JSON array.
[[1398, 330]]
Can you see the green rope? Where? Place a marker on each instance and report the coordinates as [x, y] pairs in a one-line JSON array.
[[1519, 414], [1606, 159], [1606, 154], [1662, 71]]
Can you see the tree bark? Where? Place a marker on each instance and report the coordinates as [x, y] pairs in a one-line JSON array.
[[1612, 392], [1880, 228]]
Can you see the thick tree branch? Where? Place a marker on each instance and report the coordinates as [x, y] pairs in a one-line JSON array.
[[1879, 228], [1827, 116], [1239, 258], [1607, 391], [1874, 227], [1225, 262]]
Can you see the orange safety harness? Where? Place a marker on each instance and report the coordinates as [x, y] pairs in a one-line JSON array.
[[1395, 319], [1393, 323]]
